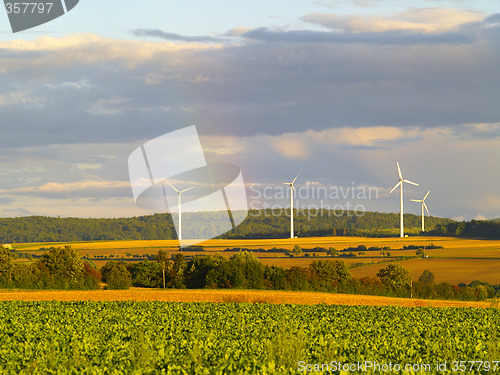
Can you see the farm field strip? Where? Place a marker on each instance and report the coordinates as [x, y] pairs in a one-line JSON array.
[[287, 262], [227, 296], [445, 263], [339, 243], [453, 271]]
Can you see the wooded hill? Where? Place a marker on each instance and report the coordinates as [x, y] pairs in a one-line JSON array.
[[258, 224]]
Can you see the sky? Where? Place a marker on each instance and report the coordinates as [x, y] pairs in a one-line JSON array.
[[336, 90]]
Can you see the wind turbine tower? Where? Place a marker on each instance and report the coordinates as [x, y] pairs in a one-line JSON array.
[[292, 189], [179, 209], [423, 205], [400, 184]]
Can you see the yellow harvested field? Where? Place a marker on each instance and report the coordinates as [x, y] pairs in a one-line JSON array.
[[103, 245], [226, 296], [452, 246], [287, 262], [453, 271]]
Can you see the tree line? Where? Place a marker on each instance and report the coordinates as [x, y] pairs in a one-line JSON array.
[[63, 268], [258, 224], [57, 268], [245, 271], [474, 228]]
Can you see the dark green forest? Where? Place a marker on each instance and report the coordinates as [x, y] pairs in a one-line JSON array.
[[258, 224], [475, 228]]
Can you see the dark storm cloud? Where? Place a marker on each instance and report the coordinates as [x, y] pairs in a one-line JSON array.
[[172, 36], [277, 82]]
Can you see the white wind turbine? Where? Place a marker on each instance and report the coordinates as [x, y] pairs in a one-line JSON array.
[[179, 210], [423, 205], [400, 183], [292, 189]]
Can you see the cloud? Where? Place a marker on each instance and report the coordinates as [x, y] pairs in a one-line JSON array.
[[277, 100], [382, 37], [81, 49], [237, 31], [76, 207], [88, 166], [478, 131], [372, 136], [301, 145], [221, 145], [174, 37], [54, 189], [290, 147], [425, 20], [108, 106], [20, 99]]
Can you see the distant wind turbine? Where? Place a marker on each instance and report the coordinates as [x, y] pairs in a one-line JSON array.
[[400, 184], [179, 210], [423, 205], [292, 189]]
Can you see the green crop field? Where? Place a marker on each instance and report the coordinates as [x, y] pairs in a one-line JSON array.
[[206, 338]]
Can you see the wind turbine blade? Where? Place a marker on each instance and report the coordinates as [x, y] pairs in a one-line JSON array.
[[426, 208], [394, 188], [409, 182], [295, 177], [399, 171], [416, 200], [172, 186], [426, 195], [192, 187]]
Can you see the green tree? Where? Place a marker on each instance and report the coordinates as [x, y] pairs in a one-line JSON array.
[[427, 277], [197, 269], [297, 251], [6, 265], [64, 265], [332, 252], [250, 267], [275, 278], [116, 275], [481, 292], [164, 262], [328, 275], [395, 277], [460, 228], [145, 274], [176, 274]]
